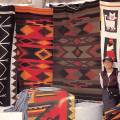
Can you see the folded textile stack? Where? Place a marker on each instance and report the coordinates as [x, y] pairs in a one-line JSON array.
[[113, 114], [48, 103]]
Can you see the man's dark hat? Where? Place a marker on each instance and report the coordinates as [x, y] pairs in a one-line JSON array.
[[108, 58]]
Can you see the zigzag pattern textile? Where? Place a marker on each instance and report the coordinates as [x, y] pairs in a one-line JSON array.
[[43, 105], [77, 48], [34, 34], [7, 80]]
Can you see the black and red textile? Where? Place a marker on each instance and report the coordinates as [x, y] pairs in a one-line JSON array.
[[7, 80], [110, 48], [34, 34], [77, 48]]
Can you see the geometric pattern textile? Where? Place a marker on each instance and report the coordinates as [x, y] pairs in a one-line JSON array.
[[113, 113], [110, 45], [77, 48], [34, 34], [50, 105], [7, 73]]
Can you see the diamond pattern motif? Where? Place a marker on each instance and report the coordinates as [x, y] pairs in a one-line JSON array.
[[43, 54], [27, 30], [77, 52], [44, 31], [42, 76]]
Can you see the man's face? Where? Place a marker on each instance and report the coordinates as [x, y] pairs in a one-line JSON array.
[[108, 64]]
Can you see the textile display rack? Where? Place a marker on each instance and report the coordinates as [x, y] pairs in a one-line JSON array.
[[50, 59]]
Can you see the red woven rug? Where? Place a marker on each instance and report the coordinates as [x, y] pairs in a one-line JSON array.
[[34, 33]]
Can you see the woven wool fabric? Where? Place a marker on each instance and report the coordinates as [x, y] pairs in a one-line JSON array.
[[110, 31], [51, 105], [34, 34], [7, 80], [77, 48], [113, 113]]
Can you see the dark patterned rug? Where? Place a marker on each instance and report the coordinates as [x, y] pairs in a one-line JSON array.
[[77, 49], [34, 41], [7, 81]]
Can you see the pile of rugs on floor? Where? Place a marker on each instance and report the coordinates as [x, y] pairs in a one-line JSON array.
[[43, 102]]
